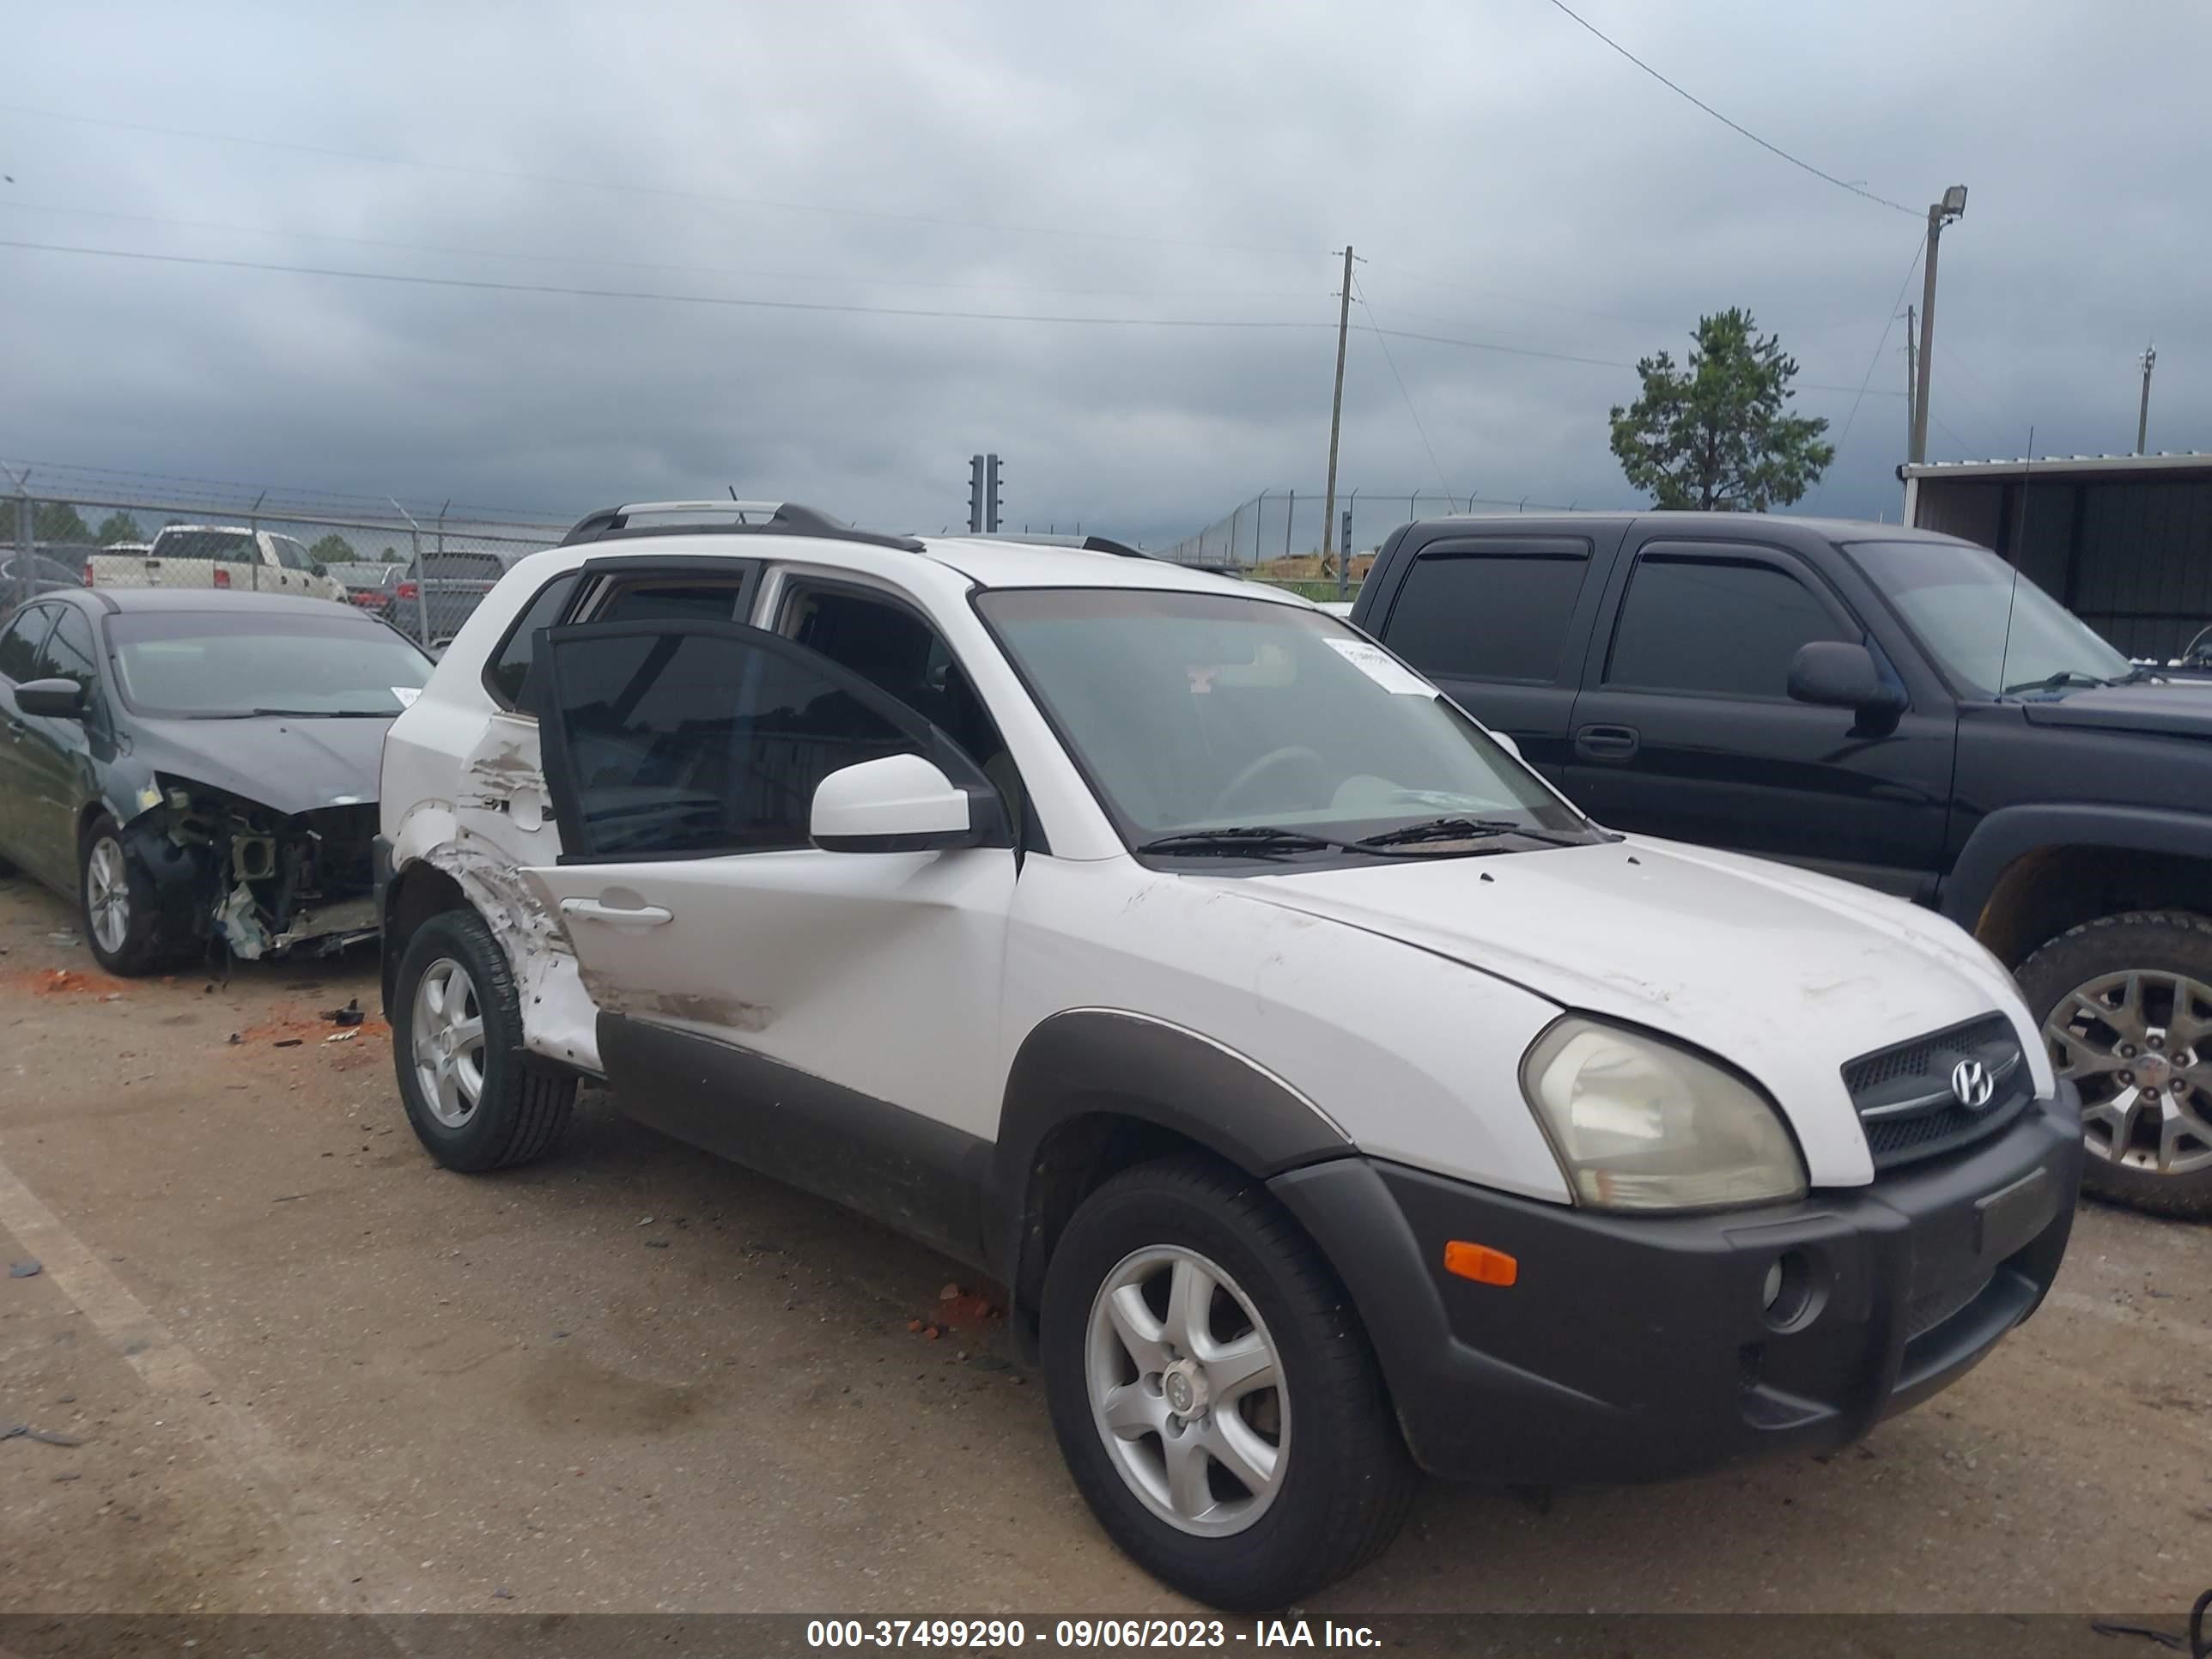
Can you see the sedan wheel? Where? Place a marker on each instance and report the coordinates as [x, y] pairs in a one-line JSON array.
[[108, 894], [448, 1032]]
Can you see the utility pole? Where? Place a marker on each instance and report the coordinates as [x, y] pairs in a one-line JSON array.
[[974, 494], [991, 495], [1912, 381], [2142, 410], [1336, 407], [1940, 214]]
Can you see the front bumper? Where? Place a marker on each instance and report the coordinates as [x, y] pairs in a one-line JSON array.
[[1637, 1348]]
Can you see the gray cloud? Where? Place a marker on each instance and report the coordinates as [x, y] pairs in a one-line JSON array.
[[1510, 180]]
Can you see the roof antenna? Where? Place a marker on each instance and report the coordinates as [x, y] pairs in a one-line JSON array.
[[2019, 552], [732, 488]]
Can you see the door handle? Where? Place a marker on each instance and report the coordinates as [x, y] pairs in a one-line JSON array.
[[616, 915], [1611, 743]]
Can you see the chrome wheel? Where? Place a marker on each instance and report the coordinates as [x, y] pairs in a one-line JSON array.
[[1186, 1389], [107, 894], [448, 1035], [2139, 1047]]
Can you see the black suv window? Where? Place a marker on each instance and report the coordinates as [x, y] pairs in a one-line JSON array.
[[1724, 627], [20, 641], [711, 741], [1488, 615]]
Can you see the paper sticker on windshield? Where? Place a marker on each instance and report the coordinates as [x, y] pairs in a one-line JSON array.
[[406, 694], [1379, 666]]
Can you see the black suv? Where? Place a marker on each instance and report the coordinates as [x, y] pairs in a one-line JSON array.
[[1897, 708]]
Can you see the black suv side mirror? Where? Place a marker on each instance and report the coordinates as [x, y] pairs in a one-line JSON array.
[[1838, 674], [53, 700]]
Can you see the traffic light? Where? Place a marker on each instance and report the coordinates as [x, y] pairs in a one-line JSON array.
[[976, 494], [991, 495]]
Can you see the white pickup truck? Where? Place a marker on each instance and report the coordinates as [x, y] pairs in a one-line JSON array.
[[215, 556]]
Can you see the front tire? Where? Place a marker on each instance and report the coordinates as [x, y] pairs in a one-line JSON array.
[[1213, 1392], [115, 894], [2125, 1006], [472, 1100]]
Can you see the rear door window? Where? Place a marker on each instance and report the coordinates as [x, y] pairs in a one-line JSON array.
[[1484, 615], [1719, 626], [290, 554]]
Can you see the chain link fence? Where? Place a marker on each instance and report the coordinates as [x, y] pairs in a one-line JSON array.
[[1276, 536], [421, 573]]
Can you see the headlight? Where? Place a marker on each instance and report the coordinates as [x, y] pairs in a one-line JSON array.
[[1640, 1125]]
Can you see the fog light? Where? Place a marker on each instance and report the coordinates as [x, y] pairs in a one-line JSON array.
[[1788, 1297]]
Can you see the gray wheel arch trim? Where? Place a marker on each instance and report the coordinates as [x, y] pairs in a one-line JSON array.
[[1086, 1062], [2009, 834]]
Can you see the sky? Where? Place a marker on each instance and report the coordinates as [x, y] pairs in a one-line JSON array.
[[1188, 171]]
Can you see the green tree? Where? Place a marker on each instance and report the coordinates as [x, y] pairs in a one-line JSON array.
[[1717, 434], [119, 526], [58, 521], [333, 549], [393, 555]]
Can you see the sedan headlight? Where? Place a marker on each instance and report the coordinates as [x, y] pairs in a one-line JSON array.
[[1638, 1124]]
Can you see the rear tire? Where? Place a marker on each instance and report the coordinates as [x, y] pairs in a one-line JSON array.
[[115, 897], [1332, 1478], [2142, 1058], [472, 1098]]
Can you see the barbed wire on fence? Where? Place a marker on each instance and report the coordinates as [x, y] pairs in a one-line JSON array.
[[1287, 525]]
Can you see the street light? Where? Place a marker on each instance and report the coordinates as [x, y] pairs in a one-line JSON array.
[[1940, 214]]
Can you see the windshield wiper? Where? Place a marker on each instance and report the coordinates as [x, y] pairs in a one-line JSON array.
[[1458, 829], [1258, 839], [2063, 677], [321, 713]]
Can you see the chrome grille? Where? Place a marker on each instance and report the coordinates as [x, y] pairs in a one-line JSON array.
[[1903, 1094]]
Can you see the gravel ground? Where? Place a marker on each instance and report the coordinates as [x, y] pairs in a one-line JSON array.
[[304, 1369]]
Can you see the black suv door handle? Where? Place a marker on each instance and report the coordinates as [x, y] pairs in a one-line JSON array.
[[1611, 743]]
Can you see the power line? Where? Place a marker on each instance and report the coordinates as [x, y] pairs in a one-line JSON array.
[[482, 284], [632, 187], [748, 303], [448, 250], [1734, 127], [1875, 362], [1367, 308]]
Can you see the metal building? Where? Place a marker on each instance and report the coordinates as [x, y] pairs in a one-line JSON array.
[[2123, 541]]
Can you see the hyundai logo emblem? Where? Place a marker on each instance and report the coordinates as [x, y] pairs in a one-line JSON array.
[[1972, 1085]]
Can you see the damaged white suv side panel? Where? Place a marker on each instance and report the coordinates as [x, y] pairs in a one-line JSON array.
[[1310, 1072]]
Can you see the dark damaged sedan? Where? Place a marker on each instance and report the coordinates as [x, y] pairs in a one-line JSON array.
[[198, 769]]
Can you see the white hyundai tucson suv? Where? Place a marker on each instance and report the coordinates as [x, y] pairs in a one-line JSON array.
[[1332, 1098]]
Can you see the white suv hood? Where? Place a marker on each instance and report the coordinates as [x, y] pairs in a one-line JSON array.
[[1787, 976]]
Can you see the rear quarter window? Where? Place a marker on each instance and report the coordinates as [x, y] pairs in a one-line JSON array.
[[1489, 614]]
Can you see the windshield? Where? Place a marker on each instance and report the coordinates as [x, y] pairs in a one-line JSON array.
[[205, 664], [1990, 628], [1197, 711]]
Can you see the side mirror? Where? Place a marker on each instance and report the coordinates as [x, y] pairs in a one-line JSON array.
[[1504, 740], [1838, 674], [53, 700], [901, 804]]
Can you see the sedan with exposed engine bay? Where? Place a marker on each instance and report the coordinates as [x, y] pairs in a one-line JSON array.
[[197, 768]]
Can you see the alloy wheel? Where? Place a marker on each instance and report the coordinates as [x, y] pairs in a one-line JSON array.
[[448, 1035], [2138, 1045], [107, 894], [1186, 1388]]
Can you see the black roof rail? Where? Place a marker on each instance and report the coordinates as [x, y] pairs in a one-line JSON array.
[[741, 517], [1075, 544]]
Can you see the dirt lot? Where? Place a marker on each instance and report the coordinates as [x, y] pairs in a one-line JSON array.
[[308, 1369]]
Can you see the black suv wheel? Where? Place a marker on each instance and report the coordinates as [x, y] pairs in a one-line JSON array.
[[456, 1045], [2125, 1004], [1213, 1393]]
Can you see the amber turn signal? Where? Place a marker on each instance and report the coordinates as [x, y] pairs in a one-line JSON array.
[[1481, 1263]]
